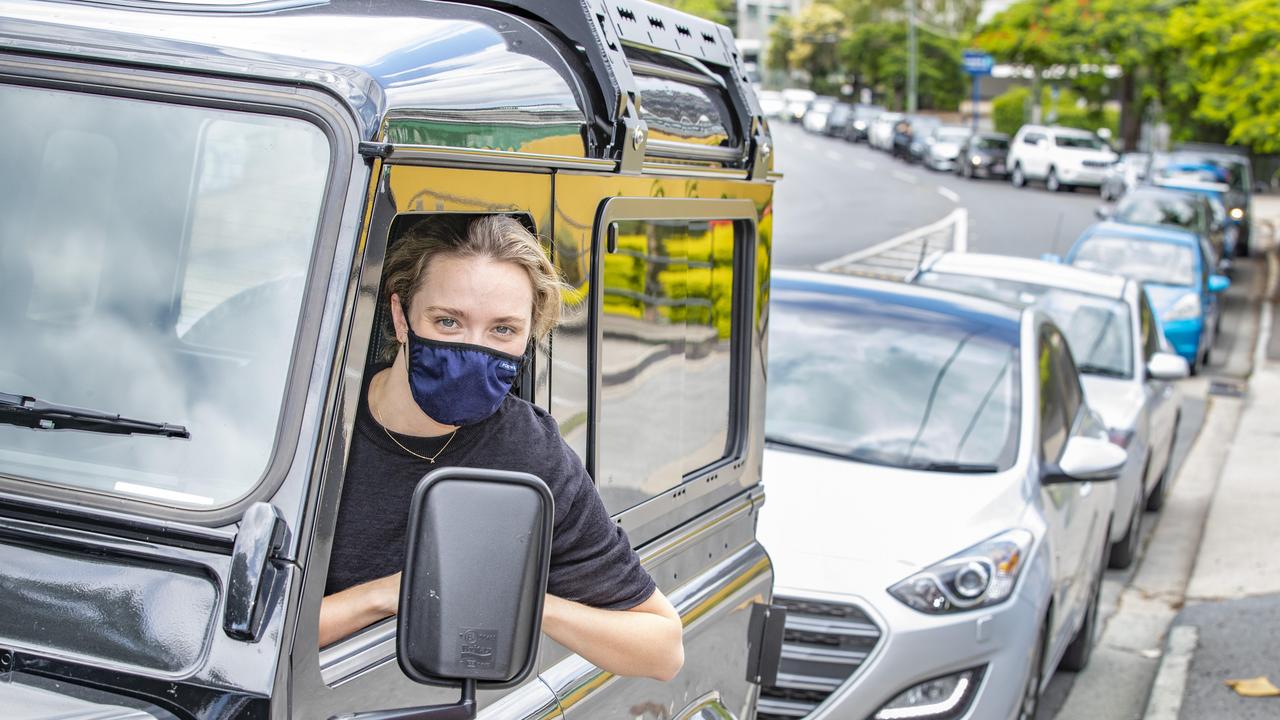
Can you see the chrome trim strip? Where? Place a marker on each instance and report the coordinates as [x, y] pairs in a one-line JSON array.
[[813, 654], [785, 708], [668, 148], [831, 627], [641, 67], [795, 681], [431, 154], [369, 649], [661, 168]]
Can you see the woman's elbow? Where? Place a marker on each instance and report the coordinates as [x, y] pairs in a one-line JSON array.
[[672, 656]]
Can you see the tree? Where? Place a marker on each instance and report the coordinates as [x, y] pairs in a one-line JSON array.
[[877, 56], [781, 42], [819, 31], [713, 10], [1029, 32], [1232, 48]]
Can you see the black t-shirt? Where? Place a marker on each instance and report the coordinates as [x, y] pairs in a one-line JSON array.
[[591, 559]]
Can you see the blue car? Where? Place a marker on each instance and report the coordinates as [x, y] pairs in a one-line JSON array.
[[1177, 267], [1225, 230]]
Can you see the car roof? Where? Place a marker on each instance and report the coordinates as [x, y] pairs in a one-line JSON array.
[[1000, 318], [1154, 233], [1034, 272]]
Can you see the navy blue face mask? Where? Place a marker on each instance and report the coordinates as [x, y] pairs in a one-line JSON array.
[[458, 383]]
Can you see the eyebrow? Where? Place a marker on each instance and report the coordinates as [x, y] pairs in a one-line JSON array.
[[506, 320]]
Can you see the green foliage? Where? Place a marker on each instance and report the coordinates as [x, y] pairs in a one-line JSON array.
[[819, 31], [781, 42], [713, 10], [877, 56], [1009, 110]]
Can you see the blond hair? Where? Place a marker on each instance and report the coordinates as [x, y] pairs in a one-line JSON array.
[[496, 237]]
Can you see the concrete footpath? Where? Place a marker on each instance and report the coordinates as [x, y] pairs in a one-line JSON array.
[[1228, 625]]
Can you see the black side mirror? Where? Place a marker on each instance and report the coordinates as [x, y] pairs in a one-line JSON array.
[[475, 577], [1102, 212]]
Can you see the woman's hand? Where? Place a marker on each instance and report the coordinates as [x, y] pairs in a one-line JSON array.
[[645, 641], [359, 606]]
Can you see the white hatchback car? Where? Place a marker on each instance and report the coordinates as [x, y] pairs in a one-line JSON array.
[[934, 516], [1125, 363], [1063, 158]]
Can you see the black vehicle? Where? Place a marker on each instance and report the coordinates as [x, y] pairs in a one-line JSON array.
[[902, 138], [1183, 209], [196, 205], [838, 121], [984, 154], [922, 127], [860, 122], [1216, 164]]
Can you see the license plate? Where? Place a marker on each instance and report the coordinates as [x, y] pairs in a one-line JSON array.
[[997, 168]]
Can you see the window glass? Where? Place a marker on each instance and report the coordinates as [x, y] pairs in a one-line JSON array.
[[1082, 142], [1053, 423], [1154, 262], [1158, 208], [666, 358], [1150, 328], [152, 264], [987, 142], [1072, 393], [892, 385]]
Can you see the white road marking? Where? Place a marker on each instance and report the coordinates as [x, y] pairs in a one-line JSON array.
[[808, 145], [1171, 678], [948, 193], [865, 164], [833, 155], [905, 177]]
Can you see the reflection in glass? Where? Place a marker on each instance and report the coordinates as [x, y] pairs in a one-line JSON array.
[[667, 320], [1154, 262], [1146, 208], [891, 385], [152, 263]]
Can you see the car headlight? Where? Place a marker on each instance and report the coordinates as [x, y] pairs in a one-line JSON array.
[[941, 698], [976, 159], [1237, 213], [1187, 308], [859, 125], [981, 576]]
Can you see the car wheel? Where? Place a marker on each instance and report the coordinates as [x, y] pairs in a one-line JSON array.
[[1155, 500], [1035, 671], [1124, 550], [1077, 656], [1051, 182], [1017, 177]]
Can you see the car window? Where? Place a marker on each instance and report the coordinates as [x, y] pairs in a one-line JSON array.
[[153, 258], [1149, 261], [1082, 142], [1053, 419], [992, 143], [1072, 393], [1158, 208], [892, 385], [1149, 327], [1032, 138]]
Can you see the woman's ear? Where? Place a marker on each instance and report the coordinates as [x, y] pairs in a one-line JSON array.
[[398, 321]]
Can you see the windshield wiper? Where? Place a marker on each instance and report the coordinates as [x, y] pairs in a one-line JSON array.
[[25, 411], [1089, 369], [856, 457], [956, 467]]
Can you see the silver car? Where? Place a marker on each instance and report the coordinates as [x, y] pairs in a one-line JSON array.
[[1125, 363], [934, 515]]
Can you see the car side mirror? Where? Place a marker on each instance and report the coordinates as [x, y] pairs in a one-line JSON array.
[[1051, 257], [475, 577], [1219, 283], [1167, 366], [1086, 459], [1102, 212]]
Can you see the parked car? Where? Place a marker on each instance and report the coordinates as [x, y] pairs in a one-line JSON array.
[[935, 518], [1230, 165], [1125, 364], [816, 115], [984, 154], [903, 136], [860, 125], [880, 136], [797, 100], [944, 146], [1063, 158], [838, 120], [1173, 207], [772, 104], [922, 128], [1177, 268], [194, 220], [1124, 176]]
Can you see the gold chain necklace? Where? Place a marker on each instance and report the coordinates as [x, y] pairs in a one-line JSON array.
[[431, 459]]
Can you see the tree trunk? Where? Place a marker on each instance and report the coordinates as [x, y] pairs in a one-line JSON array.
[[1130, 111], [1035, 96]]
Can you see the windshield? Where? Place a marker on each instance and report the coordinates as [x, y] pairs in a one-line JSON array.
[[1097, 328], [1202, 168], [1084, 142], [952, 135], [152, 264], [993, 143], [890, 385], [1149, 261], [1156, 208]]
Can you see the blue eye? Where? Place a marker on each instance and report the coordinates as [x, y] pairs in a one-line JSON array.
[[504, 330], [447, 323]]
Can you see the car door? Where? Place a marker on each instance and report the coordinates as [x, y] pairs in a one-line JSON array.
[[1161, 397], [1035, 154]]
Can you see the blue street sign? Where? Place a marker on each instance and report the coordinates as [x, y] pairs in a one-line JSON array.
[[977, 62]]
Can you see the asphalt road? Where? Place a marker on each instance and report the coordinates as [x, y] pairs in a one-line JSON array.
[[837, 197]]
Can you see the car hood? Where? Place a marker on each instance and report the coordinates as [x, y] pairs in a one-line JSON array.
[[1117, 401], [1163, 297], [843, 526], [946, 149], [992, 154]]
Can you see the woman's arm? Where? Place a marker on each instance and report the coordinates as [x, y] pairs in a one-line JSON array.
[[359, 606], [645, 641]]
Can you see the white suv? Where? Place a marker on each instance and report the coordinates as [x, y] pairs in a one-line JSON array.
[[1062, 157]]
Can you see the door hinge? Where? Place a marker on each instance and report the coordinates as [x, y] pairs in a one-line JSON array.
[[764, 643]]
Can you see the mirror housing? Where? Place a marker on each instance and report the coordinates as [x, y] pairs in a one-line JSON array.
[[1218, 283], [1051, 257], [474, 582], [1086, 459], [1167, 366], [1102, 212]]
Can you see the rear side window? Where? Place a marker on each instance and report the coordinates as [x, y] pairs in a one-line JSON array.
[[1053, 416], [669, 295], [152, 264]]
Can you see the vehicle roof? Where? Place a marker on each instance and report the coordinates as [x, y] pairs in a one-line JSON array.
[[1034, 272], [1059, 129], [1155, 233], [1003, 319]]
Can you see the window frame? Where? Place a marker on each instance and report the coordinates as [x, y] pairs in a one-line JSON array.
[[694, 487], [257, 96]]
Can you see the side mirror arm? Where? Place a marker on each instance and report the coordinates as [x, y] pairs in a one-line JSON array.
[[464, 709]]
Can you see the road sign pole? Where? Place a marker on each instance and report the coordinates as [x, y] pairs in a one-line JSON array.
[[977, 80]]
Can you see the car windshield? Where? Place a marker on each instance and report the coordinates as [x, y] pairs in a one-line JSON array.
[[1150, 261], [1202, 168], [1157, 208], [1097, 328], [891, 385], [1084, 142], [152, 264], [952, 135], [993, 143], [868, 113]]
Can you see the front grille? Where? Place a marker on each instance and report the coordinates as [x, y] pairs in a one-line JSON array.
[[1096, 163], [823, 645]]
